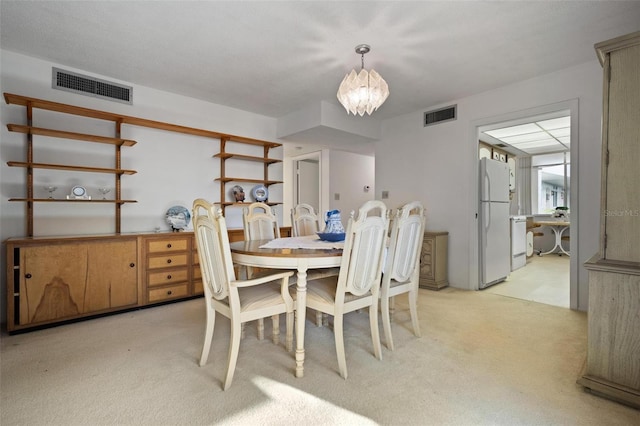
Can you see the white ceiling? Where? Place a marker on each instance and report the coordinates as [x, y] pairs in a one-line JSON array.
[[536, 137], [274, 58]]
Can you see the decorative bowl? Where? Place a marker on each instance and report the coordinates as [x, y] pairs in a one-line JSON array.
[[331, 236]]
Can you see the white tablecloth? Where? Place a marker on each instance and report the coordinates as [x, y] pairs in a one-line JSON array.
[[306, 242]]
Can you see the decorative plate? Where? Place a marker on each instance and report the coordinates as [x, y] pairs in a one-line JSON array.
[[260, 193], [178, 217], [78, 191]]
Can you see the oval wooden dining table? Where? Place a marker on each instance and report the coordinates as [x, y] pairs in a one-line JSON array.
[[249, 253]]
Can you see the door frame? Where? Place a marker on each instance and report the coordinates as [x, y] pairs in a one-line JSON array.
[[317, 155], [514, 118]]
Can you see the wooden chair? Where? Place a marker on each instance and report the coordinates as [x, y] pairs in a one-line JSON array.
[[402, 269], [304, 220], [358, 283], [238, 300]]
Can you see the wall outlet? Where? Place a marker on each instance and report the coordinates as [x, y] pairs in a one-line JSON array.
[[385, 195], [336, 196]]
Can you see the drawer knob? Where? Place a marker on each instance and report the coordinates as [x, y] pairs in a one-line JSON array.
[[27, 276], [168, 277], [168, 260], [169, 293], [169, 245], [132, 265]]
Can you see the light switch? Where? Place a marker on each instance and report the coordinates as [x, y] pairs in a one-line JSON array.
[[336, 196], [385, 195]]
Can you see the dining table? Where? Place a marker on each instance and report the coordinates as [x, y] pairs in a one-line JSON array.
[[295, 253], [558, 227]]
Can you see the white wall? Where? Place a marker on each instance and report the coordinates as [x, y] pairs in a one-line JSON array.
[[349, 174], [172, 168], [438, 164]]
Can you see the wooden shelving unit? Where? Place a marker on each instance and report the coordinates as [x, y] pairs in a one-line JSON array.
[[30, 165], [223, 155]]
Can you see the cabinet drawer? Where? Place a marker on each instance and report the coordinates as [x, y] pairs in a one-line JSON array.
[[167, 277], [167, 293], [168, 245], [167, 261]]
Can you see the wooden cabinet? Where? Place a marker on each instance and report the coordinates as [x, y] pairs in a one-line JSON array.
[[613, 349], [434, 261], [52, 280], [226, 180], [55, 279]]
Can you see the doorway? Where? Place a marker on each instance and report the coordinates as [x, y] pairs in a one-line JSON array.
[[568, 109], [307, 182]]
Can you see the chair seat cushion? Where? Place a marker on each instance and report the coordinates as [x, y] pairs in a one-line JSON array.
[[324, 291], [260, 296]]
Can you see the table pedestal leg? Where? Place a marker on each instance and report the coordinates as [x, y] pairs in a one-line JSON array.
[[557, 231], [301, 310]]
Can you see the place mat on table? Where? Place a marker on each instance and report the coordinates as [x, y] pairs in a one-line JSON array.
[[306, 242]]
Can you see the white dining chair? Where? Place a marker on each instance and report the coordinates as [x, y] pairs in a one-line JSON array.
[[260, 222], [357, 285], [304, 220], [238, 300], [402, 268]]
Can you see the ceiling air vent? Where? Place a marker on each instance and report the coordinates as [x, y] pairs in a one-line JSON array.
[[440, 115], [90, 86]]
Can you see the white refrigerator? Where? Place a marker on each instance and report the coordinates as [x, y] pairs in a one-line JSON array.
[[495, 250]]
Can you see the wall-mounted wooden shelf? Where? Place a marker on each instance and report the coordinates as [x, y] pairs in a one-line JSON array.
[[234, 179], [227, 155], [70, 168], [68, 135]]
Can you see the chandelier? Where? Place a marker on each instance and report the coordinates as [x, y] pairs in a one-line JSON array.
[[364, 91]]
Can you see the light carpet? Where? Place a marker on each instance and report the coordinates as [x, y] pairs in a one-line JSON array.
[[482, 359]]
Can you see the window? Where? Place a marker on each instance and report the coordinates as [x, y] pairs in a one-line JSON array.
[[551, 180]]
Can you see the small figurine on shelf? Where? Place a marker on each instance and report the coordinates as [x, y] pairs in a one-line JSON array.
[[238, 193]]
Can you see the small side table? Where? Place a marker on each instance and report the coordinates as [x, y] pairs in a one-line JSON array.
[[433, 260]]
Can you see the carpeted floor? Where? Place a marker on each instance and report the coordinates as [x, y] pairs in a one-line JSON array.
[[482, 359]]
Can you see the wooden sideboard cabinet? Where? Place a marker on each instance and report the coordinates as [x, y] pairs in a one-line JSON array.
[[613, 349], [56, 279], [434, 261]]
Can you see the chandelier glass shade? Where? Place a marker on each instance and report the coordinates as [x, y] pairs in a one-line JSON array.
[[364, 91]]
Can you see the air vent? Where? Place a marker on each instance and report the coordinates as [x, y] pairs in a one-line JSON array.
[[90, 86], [440, 115]]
